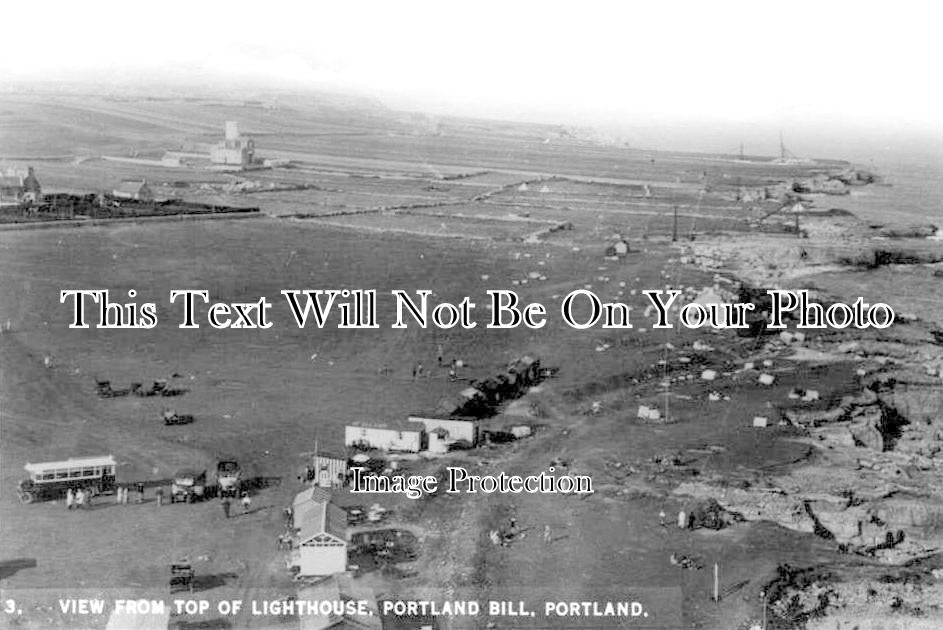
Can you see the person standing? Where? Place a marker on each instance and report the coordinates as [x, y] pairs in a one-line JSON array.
[[226, 507], [140, 489], [69, 499], [79, 498], [160, 496], [246, 502]]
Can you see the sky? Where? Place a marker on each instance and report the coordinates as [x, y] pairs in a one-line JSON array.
[[612, 63]]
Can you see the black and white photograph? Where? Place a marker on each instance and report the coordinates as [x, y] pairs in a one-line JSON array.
[[467, 315]]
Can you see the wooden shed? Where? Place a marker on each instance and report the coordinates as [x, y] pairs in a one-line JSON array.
[[328, 470], [320, 542]]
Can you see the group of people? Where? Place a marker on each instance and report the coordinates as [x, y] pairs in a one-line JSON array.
[[419, 370], [78, 498], [121, 494]]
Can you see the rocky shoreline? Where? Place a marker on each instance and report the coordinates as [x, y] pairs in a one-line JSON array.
[[872, 481]]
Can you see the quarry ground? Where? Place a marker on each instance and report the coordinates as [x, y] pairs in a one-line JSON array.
[[395, 207]]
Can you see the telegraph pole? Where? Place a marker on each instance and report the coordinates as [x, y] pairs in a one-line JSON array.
[[716, 582], [764, 609], [674, 231]]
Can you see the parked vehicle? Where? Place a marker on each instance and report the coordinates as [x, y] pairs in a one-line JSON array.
[[181, 577], [356, 514], [189, 486], [228, 478], [172, 417], [105, 390], [51, 480]]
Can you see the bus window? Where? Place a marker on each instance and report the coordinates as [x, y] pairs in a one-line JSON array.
[[88, 472], [48, 476], [98, 471], [75, 473], [62, 474], [106, 470]]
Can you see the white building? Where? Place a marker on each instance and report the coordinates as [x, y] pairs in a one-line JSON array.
[[338, 589], [235, 150], [465, 429], [319, 546], [327, 470], [137, 190], [19, 187], [313, 494], [408, 439]]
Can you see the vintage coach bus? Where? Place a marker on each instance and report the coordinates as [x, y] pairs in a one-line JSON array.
[[50, 480]]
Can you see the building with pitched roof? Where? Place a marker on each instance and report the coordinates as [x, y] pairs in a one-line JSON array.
[[319, 544], [136, 189], [338, 590], [19, 187]]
